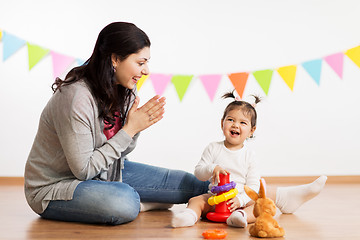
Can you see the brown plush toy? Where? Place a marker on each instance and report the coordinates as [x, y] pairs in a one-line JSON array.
[[264, 209]]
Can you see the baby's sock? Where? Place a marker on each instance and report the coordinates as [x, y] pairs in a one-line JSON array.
[[288, 199], [147, 206], [237, 219], [185, 218]]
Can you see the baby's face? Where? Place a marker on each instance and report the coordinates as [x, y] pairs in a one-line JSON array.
[[237, 128]]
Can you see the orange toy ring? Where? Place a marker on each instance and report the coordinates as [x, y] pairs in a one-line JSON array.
[[214, 234]]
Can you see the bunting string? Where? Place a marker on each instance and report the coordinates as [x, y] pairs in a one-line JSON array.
[[210, 82]]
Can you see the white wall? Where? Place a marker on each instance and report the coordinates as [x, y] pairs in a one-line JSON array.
[[310, 131]]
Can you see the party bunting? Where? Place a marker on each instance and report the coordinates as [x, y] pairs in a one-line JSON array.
[[288, 74], [354, 55], [11, 44], [60, 63], [160, 82], [314, 69], [181, 83], [141, 81], [336, 62], [211, 83], [263, 77], [239, 81], [36, 53]]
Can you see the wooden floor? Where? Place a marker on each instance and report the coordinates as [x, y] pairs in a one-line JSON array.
[[334, 214]]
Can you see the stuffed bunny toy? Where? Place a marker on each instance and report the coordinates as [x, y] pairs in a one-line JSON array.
[[264, 209]]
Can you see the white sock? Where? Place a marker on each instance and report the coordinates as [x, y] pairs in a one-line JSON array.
[[147, 206], [288, 199], [185, 218], [237, 219]]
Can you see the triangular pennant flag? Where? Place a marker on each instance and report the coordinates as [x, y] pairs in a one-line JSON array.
[[1, 34], [11, 44], [181, 83], [239, 81], [60, 63], [80, 62], [263, 77], [160, 82], [313, 67], [141, 81], [336, 62], [211, 83], [36, 53], [354, 55], [288, 75]]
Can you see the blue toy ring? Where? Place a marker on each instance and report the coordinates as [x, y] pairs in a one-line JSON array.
[[223, 188]]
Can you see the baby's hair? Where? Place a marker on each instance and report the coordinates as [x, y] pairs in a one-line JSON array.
[[243, 105]]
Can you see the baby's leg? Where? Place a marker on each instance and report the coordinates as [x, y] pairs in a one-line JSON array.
[[196, 207]]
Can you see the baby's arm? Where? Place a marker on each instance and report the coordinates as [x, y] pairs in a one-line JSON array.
[[252, 180], [205, 167]]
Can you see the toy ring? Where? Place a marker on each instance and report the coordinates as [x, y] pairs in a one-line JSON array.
[[222, 197], [223, 188], [214, 234]]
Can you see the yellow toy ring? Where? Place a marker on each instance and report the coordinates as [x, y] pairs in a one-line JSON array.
[[222, 197]]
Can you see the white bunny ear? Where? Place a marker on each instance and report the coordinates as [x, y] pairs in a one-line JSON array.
[[251, 193], [262, 190]]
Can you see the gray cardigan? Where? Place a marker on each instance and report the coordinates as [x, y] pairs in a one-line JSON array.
[[70, 147]]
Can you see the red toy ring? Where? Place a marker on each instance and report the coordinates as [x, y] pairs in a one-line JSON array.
[[214, 234]]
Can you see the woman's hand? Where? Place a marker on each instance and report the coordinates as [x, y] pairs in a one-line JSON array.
[[233, 204], [216, 173], [138, 119]]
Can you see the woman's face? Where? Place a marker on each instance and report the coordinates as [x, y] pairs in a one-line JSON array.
[[131, 69]]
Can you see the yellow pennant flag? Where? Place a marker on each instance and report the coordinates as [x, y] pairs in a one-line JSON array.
[[288, 75], [141, 81], [0, 34], [354, 55]]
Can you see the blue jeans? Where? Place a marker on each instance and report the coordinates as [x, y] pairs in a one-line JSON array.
[[119, 202]]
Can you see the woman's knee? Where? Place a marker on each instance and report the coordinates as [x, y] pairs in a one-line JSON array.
[[123, 207]]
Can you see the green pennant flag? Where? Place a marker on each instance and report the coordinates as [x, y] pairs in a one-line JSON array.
[[263, 77], [181, 83], [36, 53]]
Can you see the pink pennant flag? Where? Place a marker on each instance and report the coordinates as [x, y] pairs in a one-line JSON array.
[[160, 82], [211, 83], [336, 61], [60, 63]]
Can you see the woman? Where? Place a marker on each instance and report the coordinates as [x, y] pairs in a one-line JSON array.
[[77, 169]]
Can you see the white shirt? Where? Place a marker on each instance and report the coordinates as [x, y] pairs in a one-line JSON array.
[[240, 164]]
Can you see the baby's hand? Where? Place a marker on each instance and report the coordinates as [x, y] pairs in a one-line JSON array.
[[216, 173], [233, 204]]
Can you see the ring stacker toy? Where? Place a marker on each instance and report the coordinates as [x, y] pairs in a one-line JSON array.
[[224, 191]]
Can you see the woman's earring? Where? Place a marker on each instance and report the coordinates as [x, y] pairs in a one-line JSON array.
[[114, 69]]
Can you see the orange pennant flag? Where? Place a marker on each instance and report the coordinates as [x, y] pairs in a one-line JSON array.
[[288, 75], [239, 81]]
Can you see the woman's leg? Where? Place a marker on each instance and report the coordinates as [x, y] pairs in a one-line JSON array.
[[97, 202], [155, 184], [289, 199]]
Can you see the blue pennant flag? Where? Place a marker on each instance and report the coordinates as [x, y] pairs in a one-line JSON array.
[[11, 44], [313, 67]]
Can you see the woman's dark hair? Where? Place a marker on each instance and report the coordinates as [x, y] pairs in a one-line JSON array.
[[245, 106], [121, 39]]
